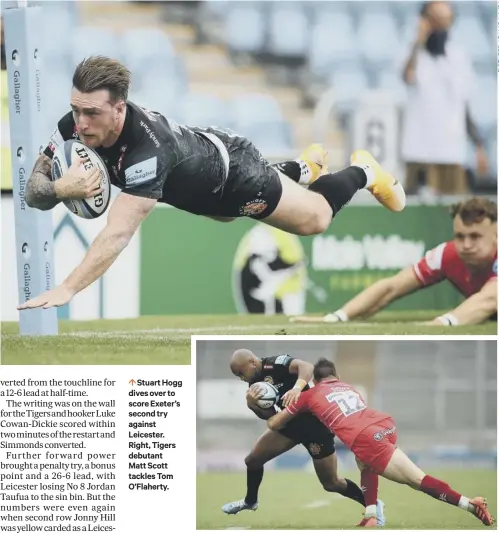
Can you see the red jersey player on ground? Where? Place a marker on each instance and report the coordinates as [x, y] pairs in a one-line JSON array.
[[469, 262], [372, 436]]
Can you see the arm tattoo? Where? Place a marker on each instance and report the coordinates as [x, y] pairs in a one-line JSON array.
[[40, 191]]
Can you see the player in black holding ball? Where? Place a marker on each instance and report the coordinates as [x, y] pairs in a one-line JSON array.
[[203, 171], [290, 376]]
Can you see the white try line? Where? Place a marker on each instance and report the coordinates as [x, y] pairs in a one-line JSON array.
[[187, 331]]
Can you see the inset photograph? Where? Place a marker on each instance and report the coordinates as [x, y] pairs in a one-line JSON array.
[[332, 434]]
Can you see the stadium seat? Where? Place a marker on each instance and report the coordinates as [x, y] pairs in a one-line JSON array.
[[271, 138], [469, 31], [333, 43], [205, 110], [219, 8], [404, 11], [322, 12], [294, 41], [255, 108], [377, 7], [89, 41], [245, 28], [390, 80], [160, 71], [378, 52], [349, 83], [466, 8], [484, 103], [160, 98], [140, 44]]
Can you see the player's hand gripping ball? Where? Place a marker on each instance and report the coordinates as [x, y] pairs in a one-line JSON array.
[[64, 156], [269, 395]]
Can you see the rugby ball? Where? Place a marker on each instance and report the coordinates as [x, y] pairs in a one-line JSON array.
[[270, 395], [66, 154]]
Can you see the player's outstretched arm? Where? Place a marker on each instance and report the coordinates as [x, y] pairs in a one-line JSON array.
[[372, 299], [476, 309], [125, 216], [40, 189], [382, 293]]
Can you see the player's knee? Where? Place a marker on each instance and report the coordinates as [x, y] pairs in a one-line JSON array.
[[317, 223], [332, 485], [252, 462]]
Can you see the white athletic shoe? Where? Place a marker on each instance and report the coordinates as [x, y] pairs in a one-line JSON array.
[[380, 514], [240, 505]]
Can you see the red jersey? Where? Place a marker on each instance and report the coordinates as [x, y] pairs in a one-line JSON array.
[[443, 262], [339, 407]]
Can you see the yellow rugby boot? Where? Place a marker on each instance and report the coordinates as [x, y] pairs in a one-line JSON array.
[[315, 157], [384, 187]]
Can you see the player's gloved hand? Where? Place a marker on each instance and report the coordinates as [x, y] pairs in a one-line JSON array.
[[254, 393], [78, 183], [291, 396]]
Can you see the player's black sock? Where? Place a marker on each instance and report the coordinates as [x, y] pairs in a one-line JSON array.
[[253, 480], [339, 188], [354, 492], [292, 169]]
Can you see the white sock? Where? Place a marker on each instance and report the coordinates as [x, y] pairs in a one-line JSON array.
[[369, 172], [464, 503], [305, 172], [370, 510]]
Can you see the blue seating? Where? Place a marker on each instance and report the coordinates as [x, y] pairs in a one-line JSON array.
[[390, 80], [205, 110], [271, 138], [288, 30], [379, 38], [333, 43], [466, 8], [484, 104], [88, 41], [349, 83], [145, 49], [245, 28], [469, 32]]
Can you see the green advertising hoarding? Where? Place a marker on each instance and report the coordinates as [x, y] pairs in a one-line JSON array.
[[193, 265]]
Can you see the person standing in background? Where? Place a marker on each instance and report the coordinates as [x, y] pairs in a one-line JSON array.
[[439, 76]]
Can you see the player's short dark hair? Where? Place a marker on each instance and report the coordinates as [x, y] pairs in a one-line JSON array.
[[323, 369], [474, 210], [99, 72]]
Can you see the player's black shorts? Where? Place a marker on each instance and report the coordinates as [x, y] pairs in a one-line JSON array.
[[307, 430], [253, 187], [203, 185]]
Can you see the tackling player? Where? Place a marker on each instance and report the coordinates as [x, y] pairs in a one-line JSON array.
[[290, 376], [203, 171], [469, 262], [372, 436]]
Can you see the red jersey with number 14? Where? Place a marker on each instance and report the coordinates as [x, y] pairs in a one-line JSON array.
[[339, 407], [443, 262]]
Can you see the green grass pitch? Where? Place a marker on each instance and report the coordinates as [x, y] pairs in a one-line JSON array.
[[296, 500], [158, 340]]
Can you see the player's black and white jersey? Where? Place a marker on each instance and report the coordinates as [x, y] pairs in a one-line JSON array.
[[154, 156], [275, 370]]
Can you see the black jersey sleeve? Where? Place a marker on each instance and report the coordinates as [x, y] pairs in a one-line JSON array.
[[145, 170], [64, 131], [279, 363]]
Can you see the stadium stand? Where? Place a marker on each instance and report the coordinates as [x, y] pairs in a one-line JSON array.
[[206, 62]]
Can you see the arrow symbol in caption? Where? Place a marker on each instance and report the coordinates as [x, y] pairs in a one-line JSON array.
[[132, 381]]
